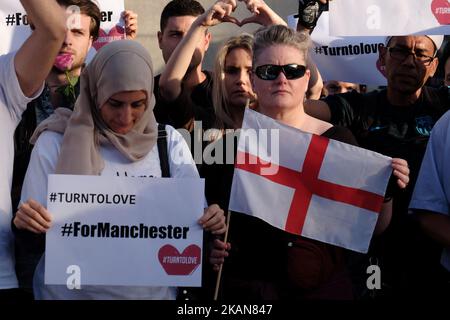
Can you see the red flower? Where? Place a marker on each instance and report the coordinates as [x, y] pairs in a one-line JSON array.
[[64, 61]]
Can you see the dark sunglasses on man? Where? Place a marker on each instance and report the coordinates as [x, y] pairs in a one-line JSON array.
[[272, 71]]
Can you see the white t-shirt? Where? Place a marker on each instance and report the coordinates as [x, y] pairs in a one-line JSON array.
[[12, 103], [43, 162]]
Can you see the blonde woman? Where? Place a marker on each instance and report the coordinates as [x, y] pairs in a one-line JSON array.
[[232, 89]]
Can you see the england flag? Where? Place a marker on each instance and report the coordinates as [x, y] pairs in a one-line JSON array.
[[308, 185]]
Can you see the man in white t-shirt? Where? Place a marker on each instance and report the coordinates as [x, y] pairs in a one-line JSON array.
[[430, 201], [22, 75]]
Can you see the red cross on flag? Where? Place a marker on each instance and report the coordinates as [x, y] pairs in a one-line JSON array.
[[308, 185]]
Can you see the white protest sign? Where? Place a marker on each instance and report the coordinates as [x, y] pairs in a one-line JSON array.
[[349, 59], [389, 18], [15, 29], [125, 231]]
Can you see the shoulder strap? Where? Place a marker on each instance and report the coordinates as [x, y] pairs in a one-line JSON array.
[[162, 151]]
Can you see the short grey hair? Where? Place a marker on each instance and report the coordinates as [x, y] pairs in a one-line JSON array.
[[280, 35]]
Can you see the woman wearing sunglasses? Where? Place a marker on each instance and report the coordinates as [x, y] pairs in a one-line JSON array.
[[263, 262]]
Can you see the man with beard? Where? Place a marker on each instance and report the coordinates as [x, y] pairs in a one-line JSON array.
[[397, 122], [77, 42], [183, 90]]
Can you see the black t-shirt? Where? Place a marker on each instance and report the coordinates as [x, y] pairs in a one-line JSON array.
[[407, 255], [197, 106], [395, 131]]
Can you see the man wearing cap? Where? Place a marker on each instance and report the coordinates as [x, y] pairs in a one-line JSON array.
[[397, 122]]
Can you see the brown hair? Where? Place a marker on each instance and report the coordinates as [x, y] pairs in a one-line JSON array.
[[179, 8]]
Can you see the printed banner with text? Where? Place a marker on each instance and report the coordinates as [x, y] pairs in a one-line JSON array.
[[125, 231], [389, 18], [15, 29], [350, 59]]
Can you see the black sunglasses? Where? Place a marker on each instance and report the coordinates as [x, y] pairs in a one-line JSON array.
[[272, 71]]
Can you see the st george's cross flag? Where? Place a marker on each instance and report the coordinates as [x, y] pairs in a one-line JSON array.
[[307, 184]]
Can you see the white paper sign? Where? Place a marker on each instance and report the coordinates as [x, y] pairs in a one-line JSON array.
[[349, 59], [15, 29], [125, 231], [389, 18]]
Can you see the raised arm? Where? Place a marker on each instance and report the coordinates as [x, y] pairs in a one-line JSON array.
[[178, 64], [35, 58]]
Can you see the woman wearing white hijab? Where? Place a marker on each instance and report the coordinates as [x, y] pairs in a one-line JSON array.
[[112, 132]]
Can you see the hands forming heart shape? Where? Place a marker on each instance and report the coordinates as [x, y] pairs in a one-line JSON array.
[[221, 12]]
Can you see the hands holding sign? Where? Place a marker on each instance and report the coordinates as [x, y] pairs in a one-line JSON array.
[[34, 217], [213, 220]]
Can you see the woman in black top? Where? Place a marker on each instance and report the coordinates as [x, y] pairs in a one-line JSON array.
[[265, 262]]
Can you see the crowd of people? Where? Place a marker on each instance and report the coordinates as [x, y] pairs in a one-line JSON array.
[[120, 111]]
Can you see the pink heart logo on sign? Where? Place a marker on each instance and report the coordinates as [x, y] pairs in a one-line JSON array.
[[63, 61], [116, 33], [180, 264], [441, 10], [381, 68]]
